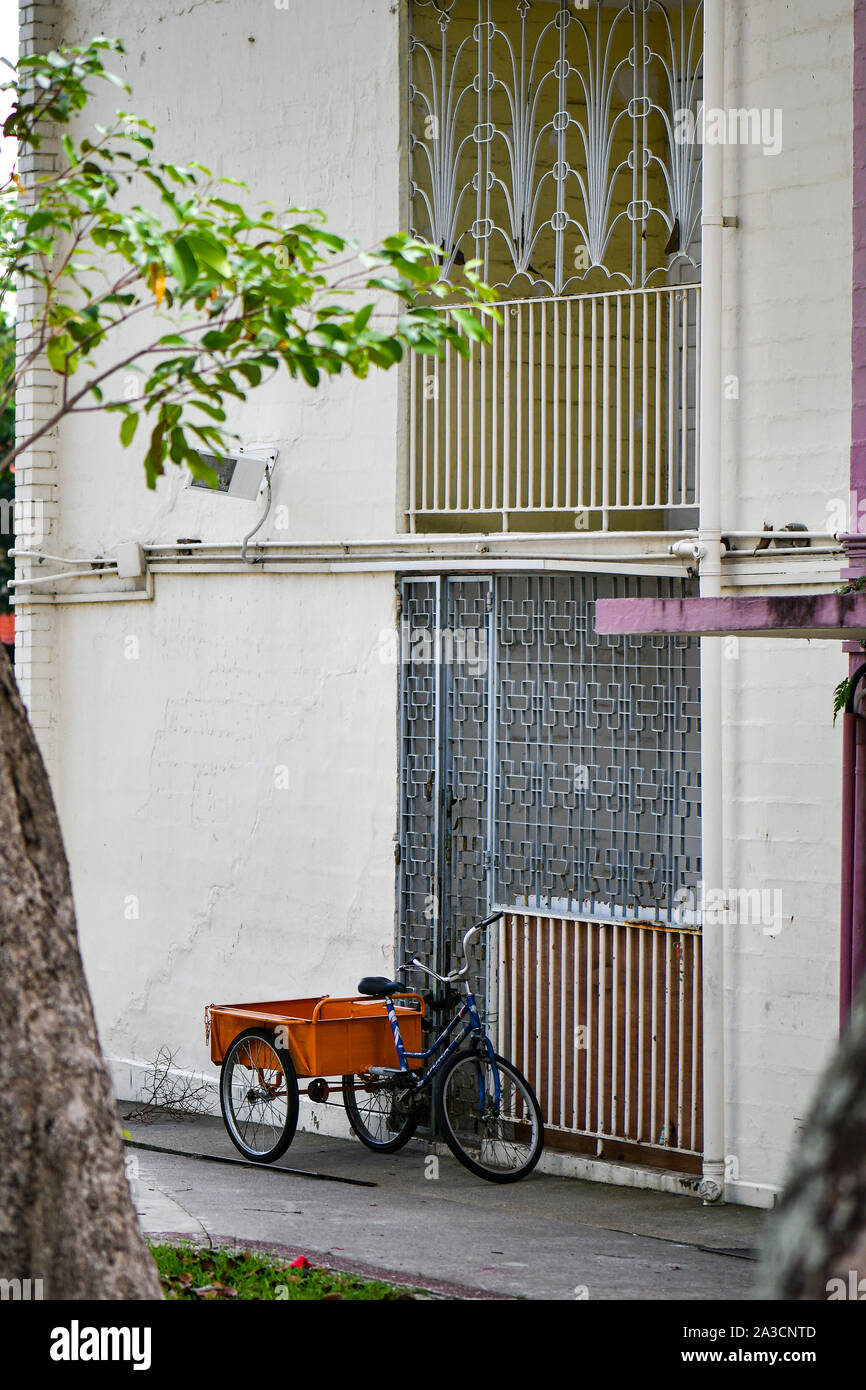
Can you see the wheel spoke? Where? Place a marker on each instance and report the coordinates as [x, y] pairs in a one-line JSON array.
[[504, 1138], [257, 1094], [379, 1111]]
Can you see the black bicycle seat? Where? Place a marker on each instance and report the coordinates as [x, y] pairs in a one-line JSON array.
[[378, 986]]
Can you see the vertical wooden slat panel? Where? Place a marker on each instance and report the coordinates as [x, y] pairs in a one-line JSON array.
[[632, 993], [581, 1030], [557, 1054], [620, 980], [541, 996], [529, 1036], [605, 1050], [697, 1090], [644, 955], [671, 1037], [518, 977], [682, 1025], [591, 987]]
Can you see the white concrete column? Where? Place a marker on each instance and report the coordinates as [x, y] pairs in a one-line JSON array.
[[711, 667]]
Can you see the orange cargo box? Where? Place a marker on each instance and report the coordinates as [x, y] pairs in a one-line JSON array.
[[325, 1036]]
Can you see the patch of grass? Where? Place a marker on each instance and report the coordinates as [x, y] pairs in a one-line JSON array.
[[188, 1272]]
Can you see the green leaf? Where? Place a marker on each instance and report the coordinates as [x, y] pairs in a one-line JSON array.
[[213, 411], [386, 351], [199, 469], [470, 325], [209, 252], [389, 283], [153, 459], [127, 430], [309, 371], [38, 220], [58, 353], [361, 319], [840, 696], [183, 263], [179, 446]]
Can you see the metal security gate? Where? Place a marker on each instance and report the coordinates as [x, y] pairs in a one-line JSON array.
[[553, 772], [445, 789], [553, 142]]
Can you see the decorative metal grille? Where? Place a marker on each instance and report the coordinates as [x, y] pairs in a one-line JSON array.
[[543, 767], [419, 773], [444, 861], [597, 754], [543, 139]]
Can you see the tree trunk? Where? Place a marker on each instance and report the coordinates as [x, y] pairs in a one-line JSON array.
[[817, 1241], [66, 1214]]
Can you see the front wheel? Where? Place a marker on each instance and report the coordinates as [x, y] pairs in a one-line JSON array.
[[259, 1096], [381, 1112], [490, 1118]]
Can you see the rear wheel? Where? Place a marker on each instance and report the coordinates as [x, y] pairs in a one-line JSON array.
[[490, 1118], [380, 1111], [259, 1096]]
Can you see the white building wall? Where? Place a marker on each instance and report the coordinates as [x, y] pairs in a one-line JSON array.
[[786, 446], [303, 103], [167, 758], [227, 796], [788, 266], [176, 717]]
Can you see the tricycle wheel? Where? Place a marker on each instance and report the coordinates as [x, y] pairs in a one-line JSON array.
[[259, 1095], [381, 1112]]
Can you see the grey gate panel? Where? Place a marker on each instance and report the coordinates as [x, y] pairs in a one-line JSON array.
[[419, 770], [542, 767], [443, 842], [597, 754]]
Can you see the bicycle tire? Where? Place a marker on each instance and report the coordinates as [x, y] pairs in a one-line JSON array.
[[471, 1136], [372, 1134], [238, 1101]]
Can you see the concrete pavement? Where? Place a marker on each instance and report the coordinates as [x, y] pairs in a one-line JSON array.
[[542, 1238]]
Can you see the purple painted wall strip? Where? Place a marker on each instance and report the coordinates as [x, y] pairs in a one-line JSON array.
[[853, 870], [858, 306], [788, 615]]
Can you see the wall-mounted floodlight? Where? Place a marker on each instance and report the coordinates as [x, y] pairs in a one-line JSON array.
[[239, 475]]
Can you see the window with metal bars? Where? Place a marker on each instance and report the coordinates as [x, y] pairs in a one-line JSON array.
[[543, 144]]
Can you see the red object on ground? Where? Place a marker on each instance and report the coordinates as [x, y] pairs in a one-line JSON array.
[[7, 628], [301, 1263]]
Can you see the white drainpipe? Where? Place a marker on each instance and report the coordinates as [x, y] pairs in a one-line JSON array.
[[713, 1183]]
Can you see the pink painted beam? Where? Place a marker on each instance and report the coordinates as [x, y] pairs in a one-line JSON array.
[[788, 615]]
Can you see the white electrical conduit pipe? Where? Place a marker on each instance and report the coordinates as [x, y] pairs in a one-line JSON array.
[[712, 1187], [60, 559], [56, 578]]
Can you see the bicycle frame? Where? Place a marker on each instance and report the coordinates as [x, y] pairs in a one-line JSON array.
[[420, 1078], [473, 1027]]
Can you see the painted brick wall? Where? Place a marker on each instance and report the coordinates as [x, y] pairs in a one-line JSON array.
[[36, 484], [786, 448]]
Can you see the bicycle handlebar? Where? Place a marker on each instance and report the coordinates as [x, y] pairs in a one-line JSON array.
[[455, 974]]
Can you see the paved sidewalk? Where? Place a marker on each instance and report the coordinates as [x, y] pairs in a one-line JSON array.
[[542, 1238]]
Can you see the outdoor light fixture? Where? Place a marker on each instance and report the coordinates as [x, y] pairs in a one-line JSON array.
[[239, 475]]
